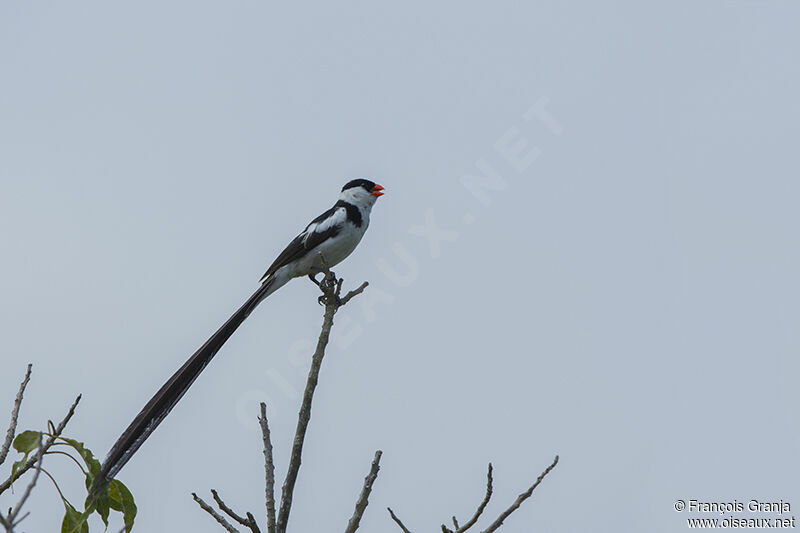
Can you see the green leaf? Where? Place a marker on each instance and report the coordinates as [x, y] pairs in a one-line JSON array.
[[17, 465], [27, 441], [121, 500], [92, 464], [101, 503], [102, 507], [113, 500], [74, 522]]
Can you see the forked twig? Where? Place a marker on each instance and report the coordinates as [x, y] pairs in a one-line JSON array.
[[521, 498], [482, 507], [43, 448], [331, 289], [218, 517]]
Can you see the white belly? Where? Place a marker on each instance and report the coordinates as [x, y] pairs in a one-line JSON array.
[[334, 250]]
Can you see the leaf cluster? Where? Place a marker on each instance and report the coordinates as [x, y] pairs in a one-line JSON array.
[[114, 497]]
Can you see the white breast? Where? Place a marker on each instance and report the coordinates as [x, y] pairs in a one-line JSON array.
[[334, 250]]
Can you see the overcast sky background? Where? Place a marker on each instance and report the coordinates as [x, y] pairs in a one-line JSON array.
[[627, 297]]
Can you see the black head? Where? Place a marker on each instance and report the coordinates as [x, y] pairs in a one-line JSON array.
[[364, 184], [370, 186]]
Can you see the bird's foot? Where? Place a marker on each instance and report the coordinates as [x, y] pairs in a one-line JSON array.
[[331, 287], [322, 300]]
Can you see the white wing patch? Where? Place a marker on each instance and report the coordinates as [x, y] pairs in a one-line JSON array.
[[338, 217]]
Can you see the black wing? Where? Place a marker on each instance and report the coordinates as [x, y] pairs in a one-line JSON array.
[[322, 228]]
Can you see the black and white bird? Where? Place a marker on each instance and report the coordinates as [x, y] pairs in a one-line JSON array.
[[333, 235]]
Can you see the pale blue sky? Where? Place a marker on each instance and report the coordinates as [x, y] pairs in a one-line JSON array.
[[628, 299]]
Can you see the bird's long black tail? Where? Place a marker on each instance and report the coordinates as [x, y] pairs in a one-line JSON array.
[[165, 399]]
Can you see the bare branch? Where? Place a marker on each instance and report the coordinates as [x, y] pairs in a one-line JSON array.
[[43, 449], [481, 507], [23, 517], [352, 294], [219, 518], [330, 286], [248, 522], [303, 419], [227, 510], [12, 427], [521, 498], [398, 521], [253, 523], [12, 516], [363, 499], [269, 467]]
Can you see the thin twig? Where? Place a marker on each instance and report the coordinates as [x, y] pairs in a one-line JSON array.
[[21, 518], [352, 294], [55, 484], [269, 467], [59, 452], [46, 446], [227, 510], [521, 498], [219, 518], [39, 458], [398, 521], [251, 524], [332, 303], [12, 427], [363, 499], [481, 507]]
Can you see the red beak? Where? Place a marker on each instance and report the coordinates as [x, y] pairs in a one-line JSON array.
[[376, 190]]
